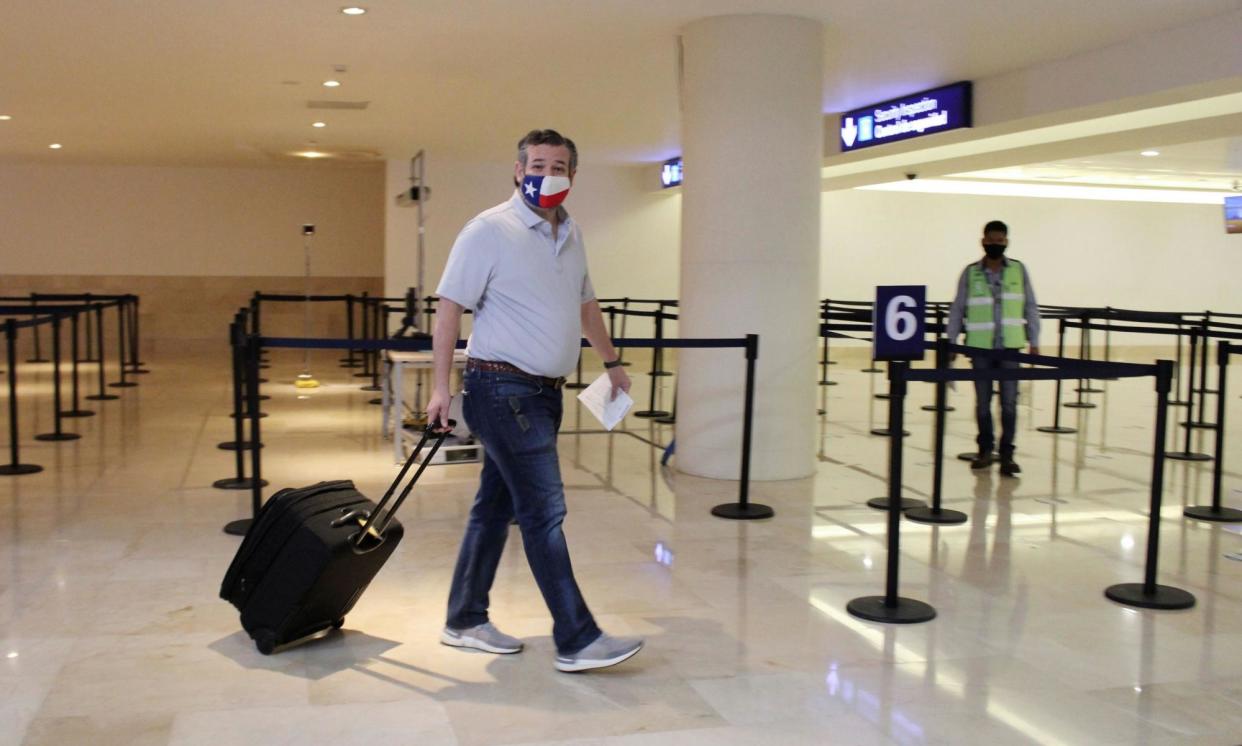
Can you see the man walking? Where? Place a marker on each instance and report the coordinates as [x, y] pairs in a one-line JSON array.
[[520, 267], [996, 303]]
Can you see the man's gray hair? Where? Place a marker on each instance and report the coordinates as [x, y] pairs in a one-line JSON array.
[[547, 137]]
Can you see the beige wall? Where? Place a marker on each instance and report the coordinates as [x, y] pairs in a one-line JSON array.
[[193, 243], [133, 220]]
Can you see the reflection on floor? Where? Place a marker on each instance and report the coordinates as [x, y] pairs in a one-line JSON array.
[[110, 562]]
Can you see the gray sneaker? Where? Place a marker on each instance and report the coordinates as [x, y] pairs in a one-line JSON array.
[[604, 652], [484, 637]]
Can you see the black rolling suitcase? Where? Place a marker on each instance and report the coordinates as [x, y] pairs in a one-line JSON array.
[[310, 554]]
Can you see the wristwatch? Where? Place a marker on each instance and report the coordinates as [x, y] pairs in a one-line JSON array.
[[614, 364]]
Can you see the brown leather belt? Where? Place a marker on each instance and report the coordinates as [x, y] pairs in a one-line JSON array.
[[496, 366]]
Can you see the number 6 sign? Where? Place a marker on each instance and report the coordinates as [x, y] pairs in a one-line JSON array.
[[897, 330]]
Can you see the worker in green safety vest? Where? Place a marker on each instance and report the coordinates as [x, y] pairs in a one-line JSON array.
[[995, 305]]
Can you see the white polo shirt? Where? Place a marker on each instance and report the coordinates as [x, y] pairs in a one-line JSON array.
[[526, 290]]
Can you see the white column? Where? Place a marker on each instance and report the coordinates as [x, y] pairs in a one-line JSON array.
[[752, 134]]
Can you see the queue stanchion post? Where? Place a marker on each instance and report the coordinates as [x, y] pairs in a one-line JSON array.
[[1108, 338], [379, 328], [124, 383], [101, 393], [350, 360], [625, 306], [135, 352], [38, 344], [671, 419], [1079, 402], [366, 335], [1207, 320], [1056, 428], [651, 411], [77, 410], [251, 354], [658, 353], [238, 387], [1216, 511], [895, 417], [1084, 353], [935, 513], [1177, 371], [888, 430], [91, 354], [744, 509], [58, 433], [15, 467], [940, 335], [826, 309], [238, 481], [1202, 390], [256, 320], [891, 608], [824, 362], [1149, 594], [1186, 454]]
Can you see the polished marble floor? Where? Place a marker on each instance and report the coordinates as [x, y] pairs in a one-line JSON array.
[[112, 632]]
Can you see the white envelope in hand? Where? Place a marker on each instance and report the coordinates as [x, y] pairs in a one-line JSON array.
[[598, 398]]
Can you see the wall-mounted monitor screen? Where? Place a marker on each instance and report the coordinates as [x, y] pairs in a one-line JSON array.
[[1233, 214], [670, 175]]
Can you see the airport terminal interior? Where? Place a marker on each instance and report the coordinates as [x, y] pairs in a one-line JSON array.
[[223, 229]]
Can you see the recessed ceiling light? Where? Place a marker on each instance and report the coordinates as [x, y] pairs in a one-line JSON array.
[[5, 117], [320, 125], [311, 154], [55, 146], [331, 84], [353, 10], [1150, 153]]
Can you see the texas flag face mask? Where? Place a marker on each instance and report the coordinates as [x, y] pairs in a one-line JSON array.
[[545, 191]]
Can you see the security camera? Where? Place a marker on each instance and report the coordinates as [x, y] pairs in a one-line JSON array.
[[1237, 185], [912, 176]]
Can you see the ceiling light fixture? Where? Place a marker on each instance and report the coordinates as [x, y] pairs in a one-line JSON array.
[[5, 117], [353, 10], [312, 154], [56, 146], [1150, 153], [332, 84], [319, 125]]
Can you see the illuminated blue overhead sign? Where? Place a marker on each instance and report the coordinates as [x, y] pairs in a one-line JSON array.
[[670, 175], [925, 113]]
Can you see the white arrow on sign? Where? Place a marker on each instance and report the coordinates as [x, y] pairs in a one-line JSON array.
[[849, 132]]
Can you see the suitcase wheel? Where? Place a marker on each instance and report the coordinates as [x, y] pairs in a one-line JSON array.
[[338, 623], [265, 641]]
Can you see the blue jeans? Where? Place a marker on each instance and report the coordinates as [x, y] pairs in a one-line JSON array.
[[516, 419], [983, 407]]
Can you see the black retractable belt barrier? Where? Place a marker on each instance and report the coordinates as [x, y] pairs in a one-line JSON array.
[[1056, 428], [940, 406], [77, 410], [1186, 454], [1215, 511], [892, 608], [131, 330], [366, 335], [58, 434], [1149, 595], [34, 314], [824, 360], [379, 328], [101, 393], [655, 371], [15, 466], [120, 341], [1202, 390], [349, 361], [1084, 353], [1083, 383], [744, 509], [935, 513], [239, 481]]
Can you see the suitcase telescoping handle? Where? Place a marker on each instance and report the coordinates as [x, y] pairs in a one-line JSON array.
[[374, 527]]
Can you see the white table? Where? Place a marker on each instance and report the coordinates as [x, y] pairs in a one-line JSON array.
[[394, 390]]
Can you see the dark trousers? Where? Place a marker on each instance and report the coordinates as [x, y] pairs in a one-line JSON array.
[[516, 419], [983, 408]]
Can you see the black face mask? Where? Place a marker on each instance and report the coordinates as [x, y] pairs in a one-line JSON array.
[[994, 250]]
